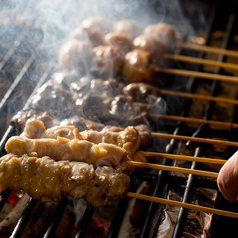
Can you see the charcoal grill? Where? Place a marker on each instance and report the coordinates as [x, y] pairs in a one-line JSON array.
[[19, 61]]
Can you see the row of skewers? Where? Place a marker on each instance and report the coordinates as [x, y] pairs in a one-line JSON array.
[[139, 164]]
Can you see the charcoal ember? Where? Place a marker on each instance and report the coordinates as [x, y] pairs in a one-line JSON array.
[[55, 100], [8, 224]]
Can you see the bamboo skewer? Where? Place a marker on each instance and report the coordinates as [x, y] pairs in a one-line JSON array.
[[207, 49], [182, 204], [195, 120], [182, 72], [201, 61], [173, 169], [198, 96], [195, 139], [184, 157]]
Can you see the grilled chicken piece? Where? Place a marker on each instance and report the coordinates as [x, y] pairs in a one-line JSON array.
[[71, 150], [91, 35], [120, 40], [155, 46], [43, 178], [108, 60], [130, 138], [108, 185], [163, 32], [129, 27], [102, 24], [76, 55], [138, 67], [46, 180]]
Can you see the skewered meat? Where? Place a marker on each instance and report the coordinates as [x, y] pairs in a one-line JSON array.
[[71, 150], [91, 35], [19, 120], [120, 40], [108, 185], [76, 55], [46, 180], [155, 46], [129, 27], [127, 139], [102, 24], [43, 178], [163, 32], [54, 99], [108, 60], [142, 92], [138, 67]]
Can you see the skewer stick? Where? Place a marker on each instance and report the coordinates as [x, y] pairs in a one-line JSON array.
[[198, 96], [182, 204], [184, 157], [208, 49], [173, 169], [201, 61], [182, 72], [195, 139], [195, 120]]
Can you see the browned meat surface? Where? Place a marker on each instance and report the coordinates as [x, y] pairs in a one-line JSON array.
[[138, 67], [163, 32], [76, 55], [82, 124], [102, 24], [129, 27], [43, 178], [141, 92], [154, 46], [72, 150], [130, 138], [107, 60], [107, 185], [120, 40], [46, 180], [88, 34]]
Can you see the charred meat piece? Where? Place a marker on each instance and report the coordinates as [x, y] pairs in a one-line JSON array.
[[46, 180], [19, 120], [72, 150], [91, 35], [76, 55], [120, 40], [43, 178], [155, 46], [141, 92], [107, 60], [55, 99], [163, 32], [108, 185], [102, 24], [82, 124], [138, 67], [129, 27], [127, 139]]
